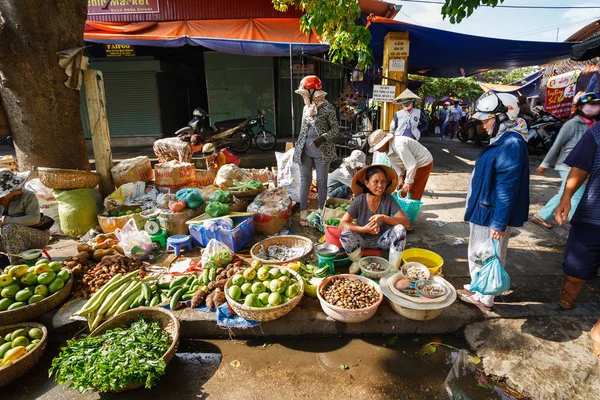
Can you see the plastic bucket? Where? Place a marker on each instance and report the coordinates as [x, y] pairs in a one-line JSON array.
[[433, 261], [332, 235]]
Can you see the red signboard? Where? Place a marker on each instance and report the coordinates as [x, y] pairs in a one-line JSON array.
[[560, 92], [99, 7]]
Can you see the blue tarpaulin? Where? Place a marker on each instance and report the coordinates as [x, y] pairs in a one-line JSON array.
[[438, 53]]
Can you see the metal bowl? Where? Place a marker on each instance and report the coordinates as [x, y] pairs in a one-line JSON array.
[[441, 288], [326, 249], [420, 266]]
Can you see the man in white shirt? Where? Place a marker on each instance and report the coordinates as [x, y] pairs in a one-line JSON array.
[[455, 114]]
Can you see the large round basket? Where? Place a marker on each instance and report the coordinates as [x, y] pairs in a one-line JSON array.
[[25, 363], [247, 193], [267, 313], [167, 320], [34, 310], [286, 240], [64, 179]]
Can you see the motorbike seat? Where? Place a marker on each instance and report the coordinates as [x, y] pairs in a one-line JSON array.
[[229, 123]]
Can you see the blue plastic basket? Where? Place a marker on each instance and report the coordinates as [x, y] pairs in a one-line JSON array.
[[410, 207]]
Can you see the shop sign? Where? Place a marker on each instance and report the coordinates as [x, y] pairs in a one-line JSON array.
[[119, 50], [397, 64], [384, 93], [299, 69], [399, 48], [100, 7], [560, 91]]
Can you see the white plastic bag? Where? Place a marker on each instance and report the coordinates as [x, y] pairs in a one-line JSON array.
[[212, 248], [381, 159], [125, 194], [134, 242], [288, 174], [48, 204]]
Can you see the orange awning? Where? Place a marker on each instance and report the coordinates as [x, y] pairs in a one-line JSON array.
[[253, 36]]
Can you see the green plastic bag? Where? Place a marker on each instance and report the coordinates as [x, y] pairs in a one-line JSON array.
[[216, 209], [77, 211], [222, 196]]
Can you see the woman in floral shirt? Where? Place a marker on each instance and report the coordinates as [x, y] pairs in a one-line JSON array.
[[315, 147]]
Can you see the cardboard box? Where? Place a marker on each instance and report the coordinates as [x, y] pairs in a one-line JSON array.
[[205, 177], [132, 170], [329, 213], [174, 175]]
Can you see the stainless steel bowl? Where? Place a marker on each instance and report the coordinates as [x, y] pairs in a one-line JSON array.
[[326, 249], [441, 288]]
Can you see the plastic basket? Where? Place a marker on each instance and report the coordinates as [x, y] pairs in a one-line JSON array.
[[235, 239], [410, 207]]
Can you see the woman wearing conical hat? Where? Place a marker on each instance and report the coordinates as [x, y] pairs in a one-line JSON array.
[[409, 121]]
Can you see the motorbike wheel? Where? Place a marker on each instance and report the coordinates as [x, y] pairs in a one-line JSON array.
[[265, 140], [241, 142]]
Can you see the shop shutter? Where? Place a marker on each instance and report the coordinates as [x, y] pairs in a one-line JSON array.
[[132, 103]]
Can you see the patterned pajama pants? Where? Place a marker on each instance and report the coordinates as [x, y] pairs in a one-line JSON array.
[[394, 238]]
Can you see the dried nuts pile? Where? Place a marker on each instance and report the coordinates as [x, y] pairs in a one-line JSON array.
[[95, 277], [349, 293]]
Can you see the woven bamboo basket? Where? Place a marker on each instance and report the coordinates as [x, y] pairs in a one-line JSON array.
[[65, 179], [167, 320], [25, 363], [34, 310], [244, 194], [286, 240], [267, 313]]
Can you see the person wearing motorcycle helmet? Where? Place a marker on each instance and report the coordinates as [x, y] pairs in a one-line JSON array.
[[587, 110], [409, 121], [178, 148], [315, 147], [443, 119], [498, 195]]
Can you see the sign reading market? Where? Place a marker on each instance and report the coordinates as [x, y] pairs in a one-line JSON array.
[[103, 7]]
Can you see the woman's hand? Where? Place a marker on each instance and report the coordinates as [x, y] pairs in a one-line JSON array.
[[406, 189], [378, 218], [540, 171], [372, 228], [498, 235]]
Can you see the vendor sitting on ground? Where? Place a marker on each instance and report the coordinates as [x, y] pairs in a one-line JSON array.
[[380, 223], [20, 212], [340, 180], [179, 148]]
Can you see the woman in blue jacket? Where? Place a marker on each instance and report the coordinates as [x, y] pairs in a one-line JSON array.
[[498, 196]]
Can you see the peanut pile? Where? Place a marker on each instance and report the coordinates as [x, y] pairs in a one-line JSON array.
[[349, 293]]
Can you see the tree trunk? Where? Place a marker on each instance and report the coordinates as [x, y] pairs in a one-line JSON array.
[[43, 114]]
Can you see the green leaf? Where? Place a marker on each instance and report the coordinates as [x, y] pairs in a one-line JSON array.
[[473, 359], [427, 349], [343, 367]]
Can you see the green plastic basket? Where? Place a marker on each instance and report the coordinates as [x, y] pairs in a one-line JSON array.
[[410, 207]]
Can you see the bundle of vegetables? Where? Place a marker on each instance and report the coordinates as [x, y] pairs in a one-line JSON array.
[[339, 207], [333, 222], [312, 276], [216, 271], [259, 286], [222, 196], [119, 294], [114, 360], [217, 209], [244, 186], [91, 278]]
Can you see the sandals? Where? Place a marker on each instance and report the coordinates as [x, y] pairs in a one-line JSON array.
[[565, 299], [536, 219]]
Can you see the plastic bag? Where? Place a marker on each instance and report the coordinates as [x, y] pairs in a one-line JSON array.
[[214, 225], [77, 211], [288, 174], [48, 204], [228, 173], [222, 196], [491, 278], [216, 209], [134, 242], [162, 200], [125, 194], [381, 159], [191, 197], [217, 252], [462, 367]]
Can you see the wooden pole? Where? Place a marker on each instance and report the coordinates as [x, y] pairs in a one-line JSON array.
[[395, 62], [96, 104]]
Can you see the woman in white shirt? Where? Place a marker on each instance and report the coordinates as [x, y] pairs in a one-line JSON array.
[[409, 121], [409, 158]]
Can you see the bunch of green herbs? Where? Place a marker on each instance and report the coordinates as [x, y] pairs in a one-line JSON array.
[[114, 360]]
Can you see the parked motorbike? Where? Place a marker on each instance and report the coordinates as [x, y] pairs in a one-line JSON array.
[[228, 133], [355, 136], [543, 131], [263, 138]]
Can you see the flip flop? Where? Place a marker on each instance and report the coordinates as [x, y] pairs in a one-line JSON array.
[[565, 300], [470, 299], [539, 221]]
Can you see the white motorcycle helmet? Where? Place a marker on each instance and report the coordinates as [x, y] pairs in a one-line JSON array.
[[492, 104]]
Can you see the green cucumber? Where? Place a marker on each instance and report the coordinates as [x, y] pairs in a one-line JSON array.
[[190, 280], [205, 276], [163, 285], [212, 275], [187, 296], [178, 282], [147, 293], [136, 302], [172, 291], [155, 300], [176, 297]]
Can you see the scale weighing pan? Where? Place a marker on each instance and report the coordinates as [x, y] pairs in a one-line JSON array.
[[327, 250]]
